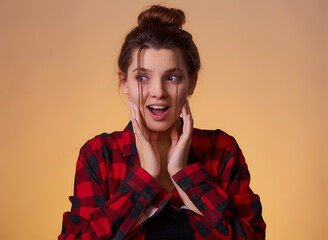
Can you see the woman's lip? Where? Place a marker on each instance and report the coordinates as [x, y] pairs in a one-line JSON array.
[[158, 117]]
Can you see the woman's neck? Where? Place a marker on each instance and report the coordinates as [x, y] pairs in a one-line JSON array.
[[163, 145], [163, 141], [164, 138]]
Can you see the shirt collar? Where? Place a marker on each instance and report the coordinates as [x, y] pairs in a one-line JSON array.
[[129, 141]]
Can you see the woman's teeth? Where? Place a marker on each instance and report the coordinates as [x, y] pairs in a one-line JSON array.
[[157, 107], [158, 110]]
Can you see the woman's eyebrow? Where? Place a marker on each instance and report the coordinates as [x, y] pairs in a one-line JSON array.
[[166, 71], [142, 70]]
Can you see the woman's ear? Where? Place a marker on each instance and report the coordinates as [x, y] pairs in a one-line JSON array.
[[123, 82], [192, 84]]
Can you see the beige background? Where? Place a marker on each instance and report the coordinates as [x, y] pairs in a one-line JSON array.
[[263, 80]]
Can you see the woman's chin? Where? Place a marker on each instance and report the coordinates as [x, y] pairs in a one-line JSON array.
[[159, 126]]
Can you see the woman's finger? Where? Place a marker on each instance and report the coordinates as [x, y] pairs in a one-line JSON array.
[[187, 120], [135, 124], [137, 131], [141, 122], [146, 146], [131, 110]]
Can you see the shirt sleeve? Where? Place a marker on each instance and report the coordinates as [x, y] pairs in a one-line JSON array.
[[93, 215], [227, 204]]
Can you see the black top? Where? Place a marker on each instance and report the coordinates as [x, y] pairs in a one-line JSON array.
[[169, 224]]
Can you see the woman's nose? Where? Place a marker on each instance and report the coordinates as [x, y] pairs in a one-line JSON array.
[[157, 89]]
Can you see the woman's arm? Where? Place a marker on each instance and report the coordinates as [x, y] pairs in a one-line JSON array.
[[95, 214], [229, 205], [178, 153]]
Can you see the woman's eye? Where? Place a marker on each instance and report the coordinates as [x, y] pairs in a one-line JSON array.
[[141, 78], [173, 78]]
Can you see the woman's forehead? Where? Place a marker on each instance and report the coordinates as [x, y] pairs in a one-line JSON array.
[[157, 59]]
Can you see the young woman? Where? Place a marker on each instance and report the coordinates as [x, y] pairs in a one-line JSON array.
[[160, 178]]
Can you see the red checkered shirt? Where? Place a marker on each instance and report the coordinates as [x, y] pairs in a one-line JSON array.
[[112, 191]]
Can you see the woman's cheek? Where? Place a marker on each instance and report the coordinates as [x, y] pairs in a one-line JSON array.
[[179, 107], [182, 99]]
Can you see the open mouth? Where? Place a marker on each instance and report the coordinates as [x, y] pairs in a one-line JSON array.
[[158, 110]]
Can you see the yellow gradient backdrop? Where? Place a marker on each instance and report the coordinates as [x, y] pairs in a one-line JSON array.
[[263, 80]]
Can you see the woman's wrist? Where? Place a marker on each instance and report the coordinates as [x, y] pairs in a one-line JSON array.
[[155, 173], [172, 171]]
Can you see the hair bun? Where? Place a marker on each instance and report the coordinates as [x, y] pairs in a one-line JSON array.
[[161, 15]]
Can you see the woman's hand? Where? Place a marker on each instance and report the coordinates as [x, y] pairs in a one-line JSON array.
[[146, 143], [180, 146], [178, 153]]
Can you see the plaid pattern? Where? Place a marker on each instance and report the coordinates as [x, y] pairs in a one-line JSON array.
[[112, 191]]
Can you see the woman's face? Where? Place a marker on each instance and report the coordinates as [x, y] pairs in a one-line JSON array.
[[159, 86]]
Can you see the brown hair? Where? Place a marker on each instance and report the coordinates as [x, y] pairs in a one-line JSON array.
[[160, 27]]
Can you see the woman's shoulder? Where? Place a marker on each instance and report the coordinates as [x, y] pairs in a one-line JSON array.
[[216, 137], [104, 141]]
